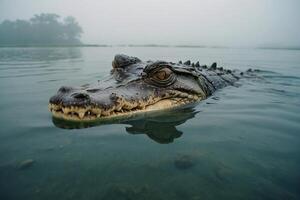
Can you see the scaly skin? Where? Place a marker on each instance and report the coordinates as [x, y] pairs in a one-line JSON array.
[[135, 87]]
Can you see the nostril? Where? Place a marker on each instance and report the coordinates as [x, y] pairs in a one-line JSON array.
[[81, 96], [65, 89]]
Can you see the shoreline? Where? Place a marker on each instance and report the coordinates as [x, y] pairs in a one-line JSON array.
[[144, 45]]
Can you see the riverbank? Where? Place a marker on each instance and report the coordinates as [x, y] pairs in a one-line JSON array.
[[144, 45]]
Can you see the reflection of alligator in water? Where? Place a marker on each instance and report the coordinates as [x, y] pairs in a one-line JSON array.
[[135, 86], [160, 127]]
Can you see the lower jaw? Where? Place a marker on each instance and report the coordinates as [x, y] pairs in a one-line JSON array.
[[162, 105]]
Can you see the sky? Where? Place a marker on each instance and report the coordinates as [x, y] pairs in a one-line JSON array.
[[173, 22]]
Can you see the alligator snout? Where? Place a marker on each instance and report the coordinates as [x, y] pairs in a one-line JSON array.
[[71, 95], [80, 96]]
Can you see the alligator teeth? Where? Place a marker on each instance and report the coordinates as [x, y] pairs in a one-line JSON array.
[[190, 96], [81, 115], [119, 106], [55, 107], [196, 98], [128, 106], [105, 113], [96, 110], [66, 110], [184, 95]]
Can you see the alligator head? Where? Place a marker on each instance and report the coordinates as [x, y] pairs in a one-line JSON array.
[[132, 87]]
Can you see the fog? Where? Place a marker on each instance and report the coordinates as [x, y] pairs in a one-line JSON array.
[[178, 22]]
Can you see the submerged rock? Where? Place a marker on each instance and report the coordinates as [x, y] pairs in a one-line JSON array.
[[184, 162], [26, 164]]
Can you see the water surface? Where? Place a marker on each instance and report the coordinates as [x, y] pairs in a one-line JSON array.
[[241, 143]]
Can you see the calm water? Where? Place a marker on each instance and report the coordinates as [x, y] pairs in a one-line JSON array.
[[242, 143]]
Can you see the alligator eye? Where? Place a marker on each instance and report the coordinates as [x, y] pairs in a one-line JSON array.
[[161, 77], [162, 74]]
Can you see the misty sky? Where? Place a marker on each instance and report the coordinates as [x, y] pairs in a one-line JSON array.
[[191, 22]]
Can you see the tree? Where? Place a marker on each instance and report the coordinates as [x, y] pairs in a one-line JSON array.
[[72, 30], [42, 29]]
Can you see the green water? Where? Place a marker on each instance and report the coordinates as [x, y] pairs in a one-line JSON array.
[[242, 143]]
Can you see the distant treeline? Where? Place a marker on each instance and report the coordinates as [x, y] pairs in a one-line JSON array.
[[42, 29]]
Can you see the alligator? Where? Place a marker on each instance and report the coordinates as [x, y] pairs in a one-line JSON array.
[[135, 86]]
